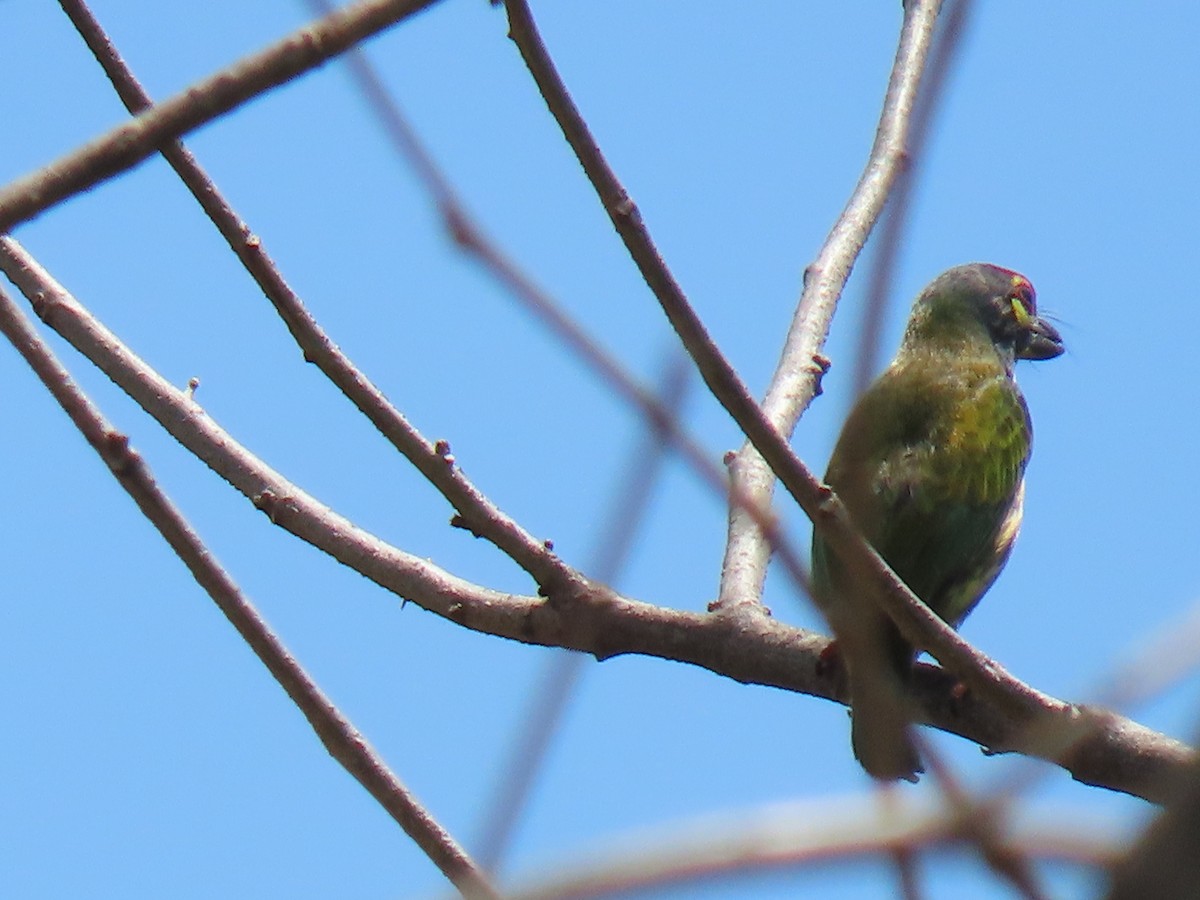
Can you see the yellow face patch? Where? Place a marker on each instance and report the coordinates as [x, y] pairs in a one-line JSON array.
[[1021, 298], [1020, 313]]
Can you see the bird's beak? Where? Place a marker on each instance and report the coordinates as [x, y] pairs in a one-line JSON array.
[[1040, 340]]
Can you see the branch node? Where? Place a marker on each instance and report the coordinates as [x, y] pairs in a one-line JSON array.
[[819, 369], [41, 302], [625, 208], [829, 507], [272, 504], [117, 454], [740, 610]]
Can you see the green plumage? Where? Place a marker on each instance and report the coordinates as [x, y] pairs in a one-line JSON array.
[[930, 465]]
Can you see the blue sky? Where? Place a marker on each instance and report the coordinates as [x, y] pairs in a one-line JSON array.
[[149, 753]]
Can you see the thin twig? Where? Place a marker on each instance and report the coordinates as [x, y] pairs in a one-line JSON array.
[[1105, 750], [126, 145], [476, 512], [343, 741], [716, 371], [796, 377]]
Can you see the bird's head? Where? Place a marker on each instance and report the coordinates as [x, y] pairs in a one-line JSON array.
[[983, 302]]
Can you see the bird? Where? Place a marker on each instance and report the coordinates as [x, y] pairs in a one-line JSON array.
[[930, 465]]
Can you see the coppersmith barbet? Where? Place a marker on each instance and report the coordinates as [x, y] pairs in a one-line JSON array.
[[930, 465]]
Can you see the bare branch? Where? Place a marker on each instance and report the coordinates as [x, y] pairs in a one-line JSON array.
[[284, 503], [125, 146], [343, 741], [800, 366]]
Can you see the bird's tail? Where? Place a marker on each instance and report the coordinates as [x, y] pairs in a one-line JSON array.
[[881, 723]]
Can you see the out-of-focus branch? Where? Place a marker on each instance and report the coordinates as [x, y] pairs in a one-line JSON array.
[[127, 145], [556, 688], [343, 741], [889, 240], [800, 366], [476, 512], [800, 835]]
